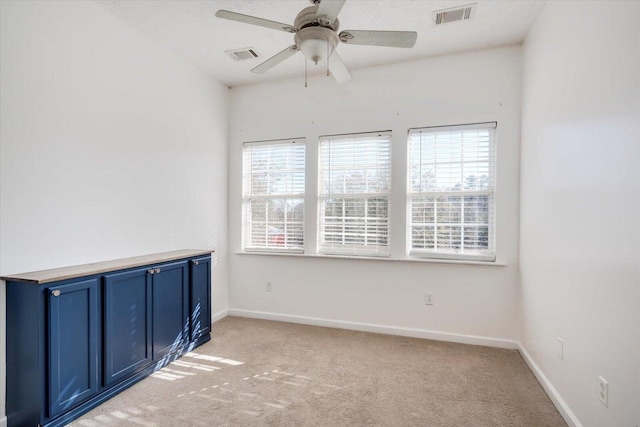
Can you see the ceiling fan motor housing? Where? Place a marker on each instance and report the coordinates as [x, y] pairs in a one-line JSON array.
[[308, 17]]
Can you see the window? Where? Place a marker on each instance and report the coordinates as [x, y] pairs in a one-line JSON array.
[[451, 192], [354, 188], [273, 195]]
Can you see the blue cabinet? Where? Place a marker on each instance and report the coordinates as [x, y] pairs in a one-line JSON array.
[[170, 304], [145, 318], [199, 305], [127, 324], [74, 340]]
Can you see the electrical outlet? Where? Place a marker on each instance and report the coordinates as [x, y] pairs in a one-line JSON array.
[[560, 348], [268, 287], [603, 392], [428, 299]]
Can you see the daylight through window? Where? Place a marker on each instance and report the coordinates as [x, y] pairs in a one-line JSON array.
[[273, 195], [451, 192], [354, 188]]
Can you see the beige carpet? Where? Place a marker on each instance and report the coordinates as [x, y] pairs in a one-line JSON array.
[[257, 372]]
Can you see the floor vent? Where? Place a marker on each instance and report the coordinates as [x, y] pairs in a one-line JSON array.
[[454, 14], [242, 54]]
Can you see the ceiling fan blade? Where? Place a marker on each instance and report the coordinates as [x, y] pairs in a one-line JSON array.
[[379, 38], [275, 59], [331, 8], [338, 70], [247, 19]]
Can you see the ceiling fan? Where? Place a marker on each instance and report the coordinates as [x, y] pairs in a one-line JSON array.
[[316, 36]]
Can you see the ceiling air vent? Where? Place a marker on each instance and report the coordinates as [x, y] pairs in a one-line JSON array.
[[242, 54], [460, 13]]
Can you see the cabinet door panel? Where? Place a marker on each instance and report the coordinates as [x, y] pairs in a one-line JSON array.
[[169, 309], [127, 324], [73, 344], [200, 304]]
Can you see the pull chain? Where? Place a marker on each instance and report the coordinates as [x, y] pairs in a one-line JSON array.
[[327, 58], [305, 72]]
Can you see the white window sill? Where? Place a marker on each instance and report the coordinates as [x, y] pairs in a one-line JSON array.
[[385, 259]]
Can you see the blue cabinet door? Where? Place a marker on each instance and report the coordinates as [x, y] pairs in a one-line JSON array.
[[200, 304], [170, 305], [127, 324], [72, 344]]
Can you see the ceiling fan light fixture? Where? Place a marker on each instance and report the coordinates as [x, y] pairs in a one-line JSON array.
[[314, 49], [316, 43]]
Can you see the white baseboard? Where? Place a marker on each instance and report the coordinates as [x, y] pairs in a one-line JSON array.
[[216, 316], [381, 329], [568, 415]]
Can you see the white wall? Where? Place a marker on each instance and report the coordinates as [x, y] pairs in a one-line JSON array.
[[111, 146], [457, 89], [580, 205]]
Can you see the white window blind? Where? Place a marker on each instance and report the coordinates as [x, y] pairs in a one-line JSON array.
[[355, 183], [273, 195], [451, 192]]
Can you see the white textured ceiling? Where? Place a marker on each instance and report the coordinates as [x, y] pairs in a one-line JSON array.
[[190, 28]]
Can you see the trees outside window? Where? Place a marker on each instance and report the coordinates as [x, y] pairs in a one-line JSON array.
[[451, 188], [450, 200], [355, 184], [273, 195]]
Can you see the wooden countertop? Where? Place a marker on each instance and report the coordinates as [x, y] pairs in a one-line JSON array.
[[63, 273]]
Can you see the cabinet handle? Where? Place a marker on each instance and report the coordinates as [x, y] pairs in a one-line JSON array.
[[196, 262], [157, 270], [150, 271], [55, 292]]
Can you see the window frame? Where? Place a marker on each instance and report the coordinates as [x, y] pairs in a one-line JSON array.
[[490, 255], [354, 250], [248, 196]]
